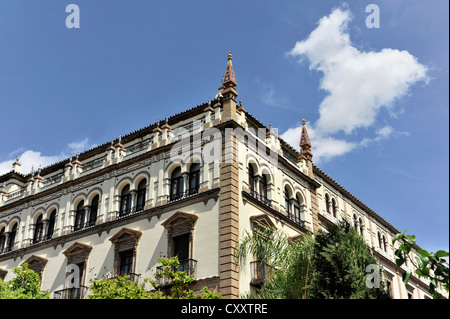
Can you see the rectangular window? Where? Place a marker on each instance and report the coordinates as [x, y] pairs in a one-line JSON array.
[[126, 263]]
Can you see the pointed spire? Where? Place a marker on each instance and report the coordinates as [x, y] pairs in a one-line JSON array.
[[229, 79], [305, 143], [304, 139]]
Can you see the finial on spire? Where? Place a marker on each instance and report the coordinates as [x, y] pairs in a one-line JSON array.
[[305, 143], [229, 79], [304, 138]]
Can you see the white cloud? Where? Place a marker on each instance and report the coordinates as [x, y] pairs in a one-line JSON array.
[[77, 147], [324, 148], [359, 84], [33, 159]]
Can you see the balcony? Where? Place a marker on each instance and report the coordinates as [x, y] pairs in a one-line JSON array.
[[296, 219], [71, 293], [130, 211], [187, 265], [131, 276], [261, 198], [259, 272], [181, 195]]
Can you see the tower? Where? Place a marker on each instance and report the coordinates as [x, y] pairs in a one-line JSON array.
[[305, 145], [228, 91]]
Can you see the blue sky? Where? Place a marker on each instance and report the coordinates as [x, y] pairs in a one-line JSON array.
[[133, 62]]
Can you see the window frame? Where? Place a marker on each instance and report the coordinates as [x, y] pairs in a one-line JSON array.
[[176, 184], [51, 225], [38, 234], [125, 201], [80, 214], [194, 175], [140, 195]]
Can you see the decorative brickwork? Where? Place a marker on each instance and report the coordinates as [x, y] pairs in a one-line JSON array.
[[229, 222]]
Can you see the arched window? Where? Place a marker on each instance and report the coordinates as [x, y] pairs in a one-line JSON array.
[[79, 216], [333, 204], [327, 203], [38, 230], [94, 210], [286, 201], [384, 243], [51, 225], [12, 237], [355, 223], [140, 200], [194, 178], [251, 178], [297, 203], [379, 239], [2, 239], [263, 188], [125, 201], [361, 228], [176, 184]]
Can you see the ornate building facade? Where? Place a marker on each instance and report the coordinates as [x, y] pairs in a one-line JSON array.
[[158, 192]]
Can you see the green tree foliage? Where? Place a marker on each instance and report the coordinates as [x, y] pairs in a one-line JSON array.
[[120, 287], [289, 262], [124, 288], [330, 265], [339, 261], [429, 265], [25, 285]]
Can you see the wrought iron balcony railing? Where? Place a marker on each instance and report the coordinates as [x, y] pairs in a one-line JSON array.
[[296, 219], [131, 276], [187, 265], [261, 198], [71, 293], [181, 195]]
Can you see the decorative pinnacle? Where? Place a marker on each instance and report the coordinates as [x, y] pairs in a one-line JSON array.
[[229, 78], [305, 143]]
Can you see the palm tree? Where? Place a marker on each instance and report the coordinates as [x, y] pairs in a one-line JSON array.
[[330, 265], [289, 262]]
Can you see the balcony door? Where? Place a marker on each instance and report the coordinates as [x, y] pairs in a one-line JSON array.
[[126, 263], [181, 246]]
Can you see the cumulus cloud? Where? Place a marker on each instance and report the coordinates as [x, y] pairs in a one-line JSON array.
[[77, 147], [30, 159], [324, 147], [359, 84]]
